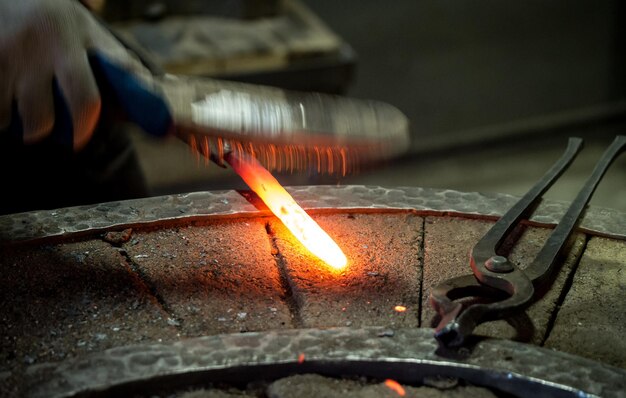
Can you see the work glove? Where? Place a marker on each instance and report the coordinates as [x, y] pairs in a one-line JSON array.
[[56, 60]]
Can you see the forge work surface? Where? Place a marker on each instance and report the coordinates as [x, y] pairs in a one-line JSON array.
[[75, 283]]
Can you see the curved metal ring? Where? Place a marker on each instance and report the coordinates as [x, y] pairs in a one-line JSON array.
[[407, 355]]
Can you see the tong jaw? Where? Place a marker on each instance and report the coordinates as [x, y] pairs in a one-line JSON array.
[[494, 276], [457, 322]]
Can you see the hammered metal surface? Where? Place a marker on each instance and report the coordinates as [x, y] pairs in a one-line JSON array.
[[193, 206], [406, 355]]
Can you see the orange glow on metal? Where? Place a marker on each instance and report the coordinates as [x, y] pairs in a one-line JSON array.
[[395, 386], [301, 225], [399, 308]]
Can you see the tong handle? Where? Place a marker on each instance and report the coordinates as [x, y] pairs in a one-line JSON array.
[[541, 267], [488, 246]]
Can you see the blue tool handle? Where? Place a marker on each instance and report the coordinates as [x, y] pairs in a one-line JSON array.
[[139, 105], [122, 95]]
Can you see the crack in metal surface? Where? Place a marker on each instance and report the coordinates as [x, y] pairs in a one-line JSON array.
[[421, 254], [289, 297], [146, 286], [567, 285]]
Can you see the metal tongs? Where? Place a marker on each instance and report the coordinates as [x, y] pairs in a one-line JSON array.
[[494, 276]]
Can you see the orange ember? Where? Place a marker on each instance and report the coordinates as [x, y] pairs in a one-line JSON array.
[[301, 358], [395, 386], [301, 225], [399, 308]]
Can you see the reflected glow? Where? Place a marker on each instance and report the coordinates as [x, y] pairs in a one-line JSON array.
[[278, 200]]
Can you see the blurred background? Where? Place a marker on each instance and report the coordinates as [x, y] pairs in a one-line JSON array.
[[492, 89]]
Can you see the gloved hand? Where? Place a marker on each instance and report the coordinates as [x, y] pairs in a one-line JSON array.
[[50, 48]]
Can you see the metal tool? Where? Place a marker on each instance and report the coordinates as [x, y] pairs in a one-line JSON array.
[[283, 130], [494, 276]]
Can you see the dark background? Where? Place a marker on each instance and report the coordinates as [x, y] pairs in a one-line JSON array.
[[492, 88]]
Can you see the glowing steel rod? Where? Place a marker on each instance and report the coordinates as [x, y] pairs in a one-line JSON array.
[[287, 210], [396, 387]]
